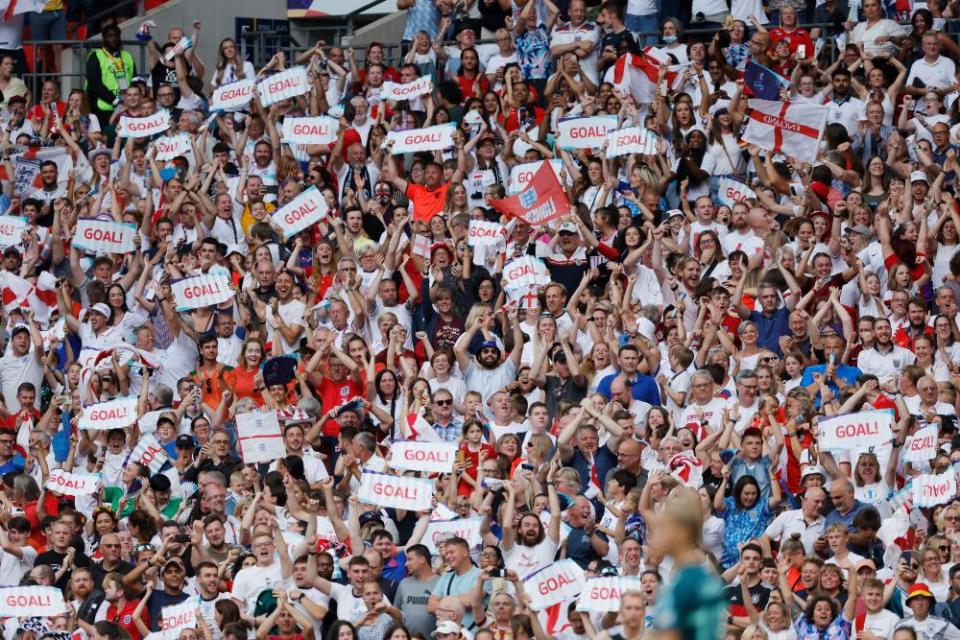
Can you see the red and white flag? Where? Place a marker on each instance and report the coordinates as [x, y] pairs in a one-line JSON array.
[[16, 7], [415, 427], [637, 75], [540, 202], [791, 128], [19, 293]]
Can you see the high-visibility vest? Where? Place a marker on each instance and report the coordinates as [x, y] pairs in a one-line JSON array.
[[112, 68]]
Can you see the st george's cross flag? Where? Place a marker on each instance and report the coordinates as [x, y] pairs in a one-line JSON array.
[[791, 128], [637, 74]]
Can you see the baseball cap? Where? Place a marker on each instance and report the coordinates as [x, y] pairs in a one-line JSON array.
[[567, 227], [919, 176], [370, 516], [102, 309], [674, 212], [18, 328], [447, 626], [812, 470], [865, 563], [860, 229], [185, 442], [173, 560]]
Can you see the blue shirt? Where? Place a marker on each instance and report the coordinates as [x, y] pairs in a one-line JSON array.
[[741, 525], [644, 388], [836, 516], [579, 548], [771, 328], [396, 568], [843, 371]]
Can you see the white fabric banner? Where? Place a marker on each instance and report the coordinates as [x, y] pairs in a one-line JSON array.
[[433, 138], [381, 489], [631, 140], [233, 96], [287, 84], [18, 602], [258, 433], [319, 130], [929, 490], [733, 191], [553, 584], [113, 414], [144, 127], [11, 230], [526, 271], [521, 174], [169, 147], [922, 445], [429, 457], [856, 430], [791, 128], [395, 91], [259, 436], [175, 619], [201, 291], [585, 133], [148, 452], [101, 236], [483, 233], [439, 531], [73, 484], [603, 594], [305, 210]]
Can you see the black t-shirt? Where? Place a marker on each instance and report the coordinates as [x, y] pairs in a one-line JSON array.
[[54, 560], [759, 594]]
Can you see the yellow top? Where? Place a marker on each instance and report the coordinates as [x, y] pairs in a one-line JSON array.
[[54, 5]]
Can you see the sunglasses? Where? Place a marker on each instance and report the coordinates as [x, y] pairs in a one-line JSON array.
[[443, 403], [144, 547]]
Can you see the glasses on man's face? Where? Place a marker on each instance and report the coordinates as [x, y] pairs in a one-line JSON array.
[[144, 547], [110, 546], [6, 442], [443, 403]]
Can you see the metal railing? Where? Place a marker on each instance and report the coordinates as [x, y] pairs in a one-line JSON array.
[[72, 75]]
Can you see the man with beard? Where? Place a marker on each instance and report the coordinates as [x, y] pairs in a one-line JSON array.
[[208, 589], [885, 359], [284, 315], [916, 324], [357, 170], [216, 548], [844, 107], [293, 442], [86, 598], [742, 238], [528, 547], [484, 373]]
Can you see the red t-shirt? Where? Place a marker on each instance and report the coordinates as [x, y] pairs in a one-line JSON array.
[[427, 202], [333, 394], [795, 38], [464, 489], [124, 618]]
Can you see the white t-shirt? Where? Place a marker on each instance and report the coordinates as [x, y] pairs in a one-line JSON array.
[[527, 560], [349, 606], [881, 624], [15, 371], [12, 568], [292, 314], [252, 581]]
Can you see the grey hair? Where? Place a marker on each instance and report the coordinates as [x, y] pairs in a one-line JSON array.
[[745, 374], [366, 440], [702, 373], [310, 406], [164, 395]]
